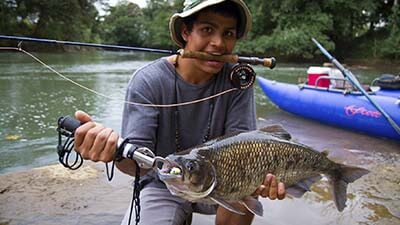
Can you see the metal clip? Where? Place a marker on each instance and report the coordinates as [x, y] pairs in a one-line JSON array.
[[146, 158]]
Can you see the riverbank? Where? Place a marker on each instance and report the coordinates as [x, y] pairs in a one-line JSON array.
[[56, 195]]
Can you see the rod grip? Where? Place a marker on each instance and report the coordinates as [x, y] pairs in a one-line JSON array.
[[267, 62], [206, 56], [68, 123]]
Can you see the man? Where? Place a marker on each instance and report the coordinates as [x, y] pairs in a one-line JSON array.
[[211, 26]]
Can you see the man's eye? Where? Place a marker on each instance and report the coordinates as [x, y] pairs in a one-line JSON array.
[[207, 29], [230, 34]]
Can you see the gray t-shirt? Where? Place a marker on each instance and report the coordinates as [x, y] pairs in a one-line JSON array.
[[155, 128]]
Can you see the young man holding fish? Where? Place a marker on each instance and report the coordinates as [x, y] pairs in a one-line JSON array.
[[211, 26]]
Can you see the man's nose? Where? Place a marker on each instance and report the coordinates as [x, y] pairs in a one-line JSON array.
[[218, 41]]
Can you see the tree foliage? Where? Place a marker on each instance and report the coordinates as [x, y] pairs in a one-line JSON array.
[[289, 27], [124, 25], [391, 46], [67, 20], [368, 28], [285, 27], [157, 16]]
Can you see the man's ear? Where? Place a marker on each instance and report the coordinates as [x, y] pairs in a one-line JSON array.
[[185, 32]]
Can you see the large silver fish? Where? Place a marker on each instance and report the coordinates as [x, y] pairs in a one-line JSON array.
[[229, 169]]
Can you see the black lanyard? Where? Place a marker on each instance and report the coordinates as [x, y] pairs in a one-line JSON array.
[[176, 116]]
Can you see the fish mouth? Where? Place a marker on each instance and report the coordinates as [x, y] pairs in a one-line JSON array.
[[170, 171]]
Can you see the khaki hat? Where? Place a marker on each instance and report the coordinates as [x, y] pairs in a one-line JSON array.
[[193, 6]]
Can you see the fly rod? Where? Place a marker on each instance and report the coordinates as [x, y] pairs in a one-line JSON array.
[[349, 75], [231, 58]]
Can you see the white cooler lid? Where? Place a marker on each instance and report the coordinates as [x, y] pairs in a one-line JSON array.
[[318, 70]]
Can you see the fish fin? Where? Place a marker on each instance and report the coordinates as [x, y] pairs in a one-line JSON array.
[[277, 130], [339, 179], [212, 141], [297, 190], [227, 206], [253, 205], [325, 153]]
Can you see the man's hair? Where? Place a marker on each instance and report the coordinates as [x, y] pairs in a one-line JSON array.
[[228, 9]]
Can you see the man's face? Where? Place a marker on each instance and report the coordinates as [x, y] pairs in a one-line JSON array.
[[212, 33]]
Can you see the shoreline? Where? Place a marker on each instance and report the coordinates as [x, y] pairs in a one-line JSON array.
[[53, 194], [50, 194]]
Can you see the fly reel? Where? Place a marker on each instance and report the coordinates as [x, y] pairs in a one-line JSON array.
[[242, 76]]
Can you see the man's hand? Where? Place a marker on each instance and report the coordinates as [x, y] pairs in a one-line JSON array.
[[94, 141], [271, 188]]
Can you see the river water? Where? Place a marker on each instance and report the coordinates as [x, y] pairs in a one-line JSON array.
[[33, 98]]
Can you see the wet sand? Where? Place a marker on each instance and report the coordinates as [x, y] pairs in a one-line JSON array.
[[56, 195], [373, 199]]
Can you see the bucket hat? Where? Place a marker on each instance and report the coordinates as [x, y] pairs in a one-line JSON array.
[[193, 6]]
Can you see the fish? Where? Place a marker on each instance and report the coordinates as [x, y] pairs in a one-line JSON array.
[[227, 170]]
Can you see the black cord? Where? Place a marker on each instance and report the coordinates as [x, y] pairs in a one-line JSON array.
[[117, 158], [110, 175], [136, 197], [65, 151]]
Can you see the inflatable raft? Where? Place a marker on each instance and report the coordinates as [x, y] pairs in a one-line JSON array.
[[337, 107]]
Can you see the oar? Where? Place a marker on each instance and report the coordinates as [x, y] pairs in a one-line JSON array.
[[349, 75]]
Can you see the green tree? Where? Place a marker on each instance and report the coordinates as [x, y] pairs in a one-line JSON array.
[[352, 20], [63, 20], [287, 26], [363, 29], [157, 14], [390, 47], [124, 25]]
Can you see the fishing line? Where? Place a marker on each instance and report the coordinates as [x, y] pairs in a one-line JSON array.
[[108, 97], [66, 149]]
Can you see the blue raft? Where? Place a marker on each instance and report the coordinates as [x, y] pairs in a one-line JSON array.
[[336, 107]]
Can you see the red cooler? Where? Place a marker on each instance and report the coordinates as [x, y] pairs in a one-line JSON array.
[[315, 72]]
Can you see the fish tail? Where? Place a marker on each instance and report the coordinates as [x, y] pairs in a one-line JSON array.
[[339, 179]]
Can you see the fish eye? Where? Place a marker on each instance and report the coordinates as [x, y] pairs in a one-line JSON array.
[[191, 165]]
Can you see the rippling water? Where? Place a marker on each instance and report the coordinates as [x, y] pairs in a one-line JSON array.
[[33, 98]]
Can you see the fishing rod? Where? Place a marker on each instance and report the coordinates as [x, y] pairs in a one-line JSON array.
[[230, 58], [349, 75], [143, 157]]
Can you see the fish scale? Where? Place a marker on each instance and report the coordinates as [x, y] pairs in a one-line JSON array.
[[242, 165]]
